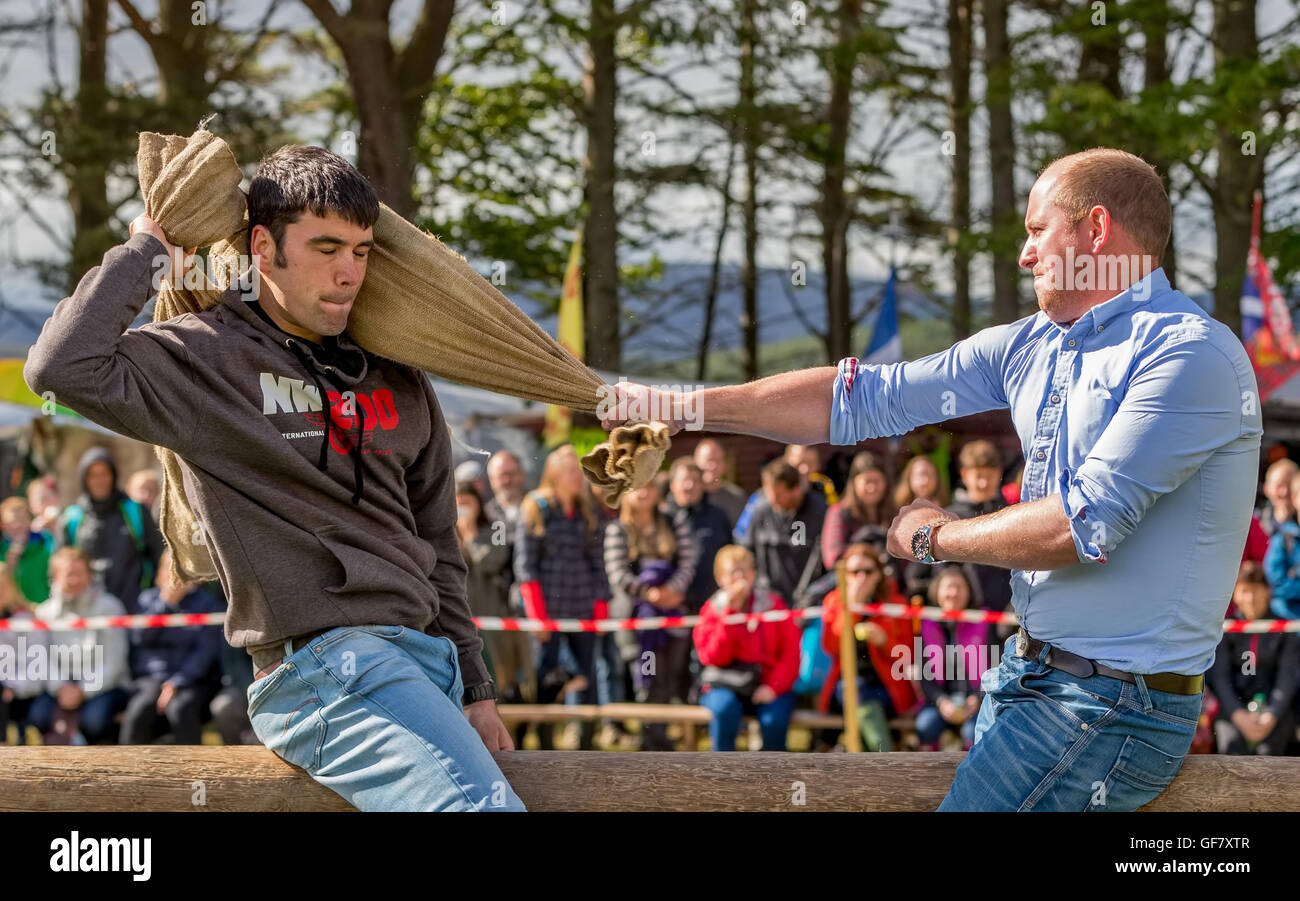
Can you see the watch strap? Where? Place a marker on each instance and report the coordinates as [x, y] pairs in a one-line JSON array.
[[484, 691]]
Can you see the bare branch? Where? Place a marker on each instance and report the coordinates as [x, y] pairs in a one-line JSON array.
[[140, 24], [334, 24]]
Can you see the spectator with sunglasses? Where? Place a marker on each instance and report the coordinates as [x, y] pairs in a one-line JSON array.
[[884, 690]]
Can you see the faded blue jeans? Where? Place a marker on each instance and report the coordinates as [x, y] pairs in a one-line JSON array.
[[374, 713], [1047, 740]]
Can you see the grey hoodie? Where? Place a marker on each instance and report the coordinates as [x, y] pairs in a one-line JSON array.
[[309, 527]]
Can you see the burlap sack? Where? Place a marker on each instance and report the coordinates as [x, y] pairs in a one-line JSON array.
[[421, 304]]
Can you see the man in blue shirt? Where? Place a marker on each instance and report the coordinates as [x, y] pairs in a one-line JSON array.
[[1140, 423]]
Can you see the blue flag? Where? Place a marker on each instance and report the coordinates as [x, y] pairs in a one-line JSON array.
[[886, 345]]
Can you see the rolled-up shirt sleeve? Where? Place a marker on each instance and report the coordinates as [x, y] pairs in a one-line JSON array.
[[1183, 404], [872, 400]]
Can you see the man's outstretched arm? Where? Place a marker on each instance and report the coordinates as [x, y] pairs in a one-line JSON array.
[[840, 405], [794, 407]]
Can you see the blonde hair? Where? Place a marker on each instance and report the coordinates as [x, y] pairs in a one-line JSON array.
[[658, 540], [1126, 185], [531, 508], [10, 504], [728, 556], [1286, 464], [68, 553], [9, 588]]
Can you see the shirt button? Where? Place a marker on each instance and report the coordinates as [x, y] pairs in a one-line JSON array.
[[1072, 342], [1056, 398], [1101, 328], [1041, 456]]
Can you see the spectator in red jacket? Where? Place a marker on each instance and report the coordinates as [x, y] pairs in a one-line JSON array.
[[884, 691], [749, 667]]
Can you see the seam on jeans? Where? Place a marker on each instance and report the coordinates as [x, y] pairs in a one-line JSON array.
[[367, 699], [432, 751], [1068, 758], [1157, 713]]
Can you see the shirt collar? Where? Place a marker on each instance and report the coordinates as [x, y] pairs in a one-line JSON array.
[[1140, 292]]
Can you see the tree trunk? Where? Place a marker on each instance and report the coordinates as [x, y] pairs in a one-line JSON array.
[[1004, 214], [604, 349], [1155, 72], [86, 166], [959, 44], [835, 204], [388, 86], [749, 144], [1239, 174], [715, 274], [183, 56], [1099, 58]]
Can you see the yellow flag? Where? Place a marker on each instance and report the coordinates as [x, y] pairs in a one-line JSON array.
[[559, 419]]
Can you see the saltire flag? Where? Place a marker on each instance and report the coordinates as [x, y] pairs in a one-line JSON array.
[[1266, 327], [559, 420]]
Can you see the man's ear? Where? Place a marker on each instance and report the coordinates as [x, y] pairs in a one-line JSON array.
[[262, 246], [1100, 227]]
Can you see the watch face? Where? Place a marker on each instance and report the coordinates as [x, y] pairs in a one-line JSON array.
[[920, 544]]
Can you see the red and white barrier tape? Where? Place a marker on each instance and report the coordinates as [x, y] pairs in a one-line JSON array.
[[139, 621], [645, 624]]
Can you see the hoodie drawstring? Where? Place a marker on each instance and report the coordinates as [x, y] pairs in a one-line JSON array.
[[358, 471]]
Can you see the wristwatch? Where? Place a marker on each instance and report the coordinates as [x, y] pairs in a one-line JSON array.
[[484, 691], [921, 543]]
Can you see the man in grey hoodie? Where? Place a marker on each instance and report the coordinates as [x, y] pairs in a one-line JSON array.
[[321, 475]]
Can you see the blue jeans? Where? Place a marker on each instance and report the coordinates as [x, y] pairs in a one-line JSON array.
[[374, 713], [1047, 740], [930, 726], [728, 708], [95, 720]]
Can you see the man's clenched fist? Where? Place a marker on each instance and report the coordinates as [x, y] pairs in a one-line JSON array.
[[143, 223]]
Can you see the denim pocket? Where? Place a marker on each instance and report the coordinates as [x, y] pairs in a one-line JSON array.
[[1074, 706], [1141, 772], [285, 714]]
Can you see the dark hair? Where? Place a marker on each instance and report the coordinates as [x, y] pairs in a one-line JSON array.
[[472, 490], [866, 461], [1252, 573], [974, 598], [300, 178], [779, 471]]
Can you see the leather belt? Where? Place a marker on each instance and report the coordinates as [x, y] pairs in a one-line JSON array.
[[1082, 667], [269, 659]]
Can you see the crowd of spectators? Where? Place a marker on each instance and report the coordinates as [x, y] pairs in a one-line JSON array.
[[103, 555], [690, 543]]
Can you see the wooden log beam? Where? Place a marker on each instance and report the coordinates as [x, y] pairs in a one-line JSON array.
[[251, 778]]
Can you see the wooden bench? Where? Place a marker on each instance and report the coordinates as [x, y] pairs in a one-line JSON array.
[[251, 778], [690, 716]]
